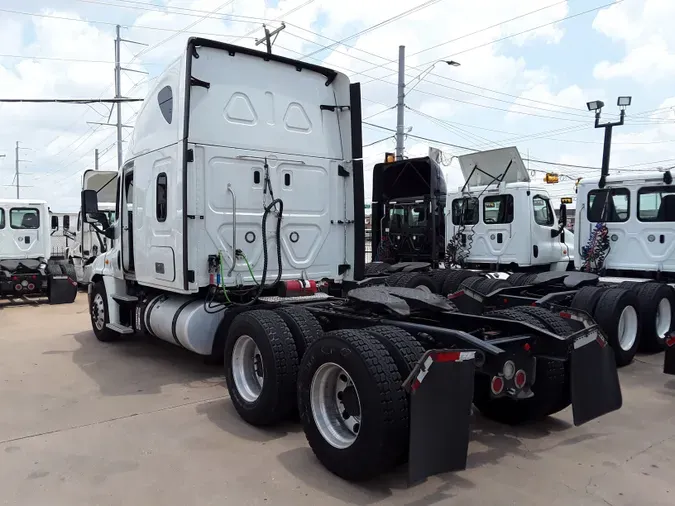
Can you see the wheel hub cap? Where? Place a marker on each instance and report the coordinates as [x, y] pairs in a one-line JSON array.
[[248, 369], [335, 405]]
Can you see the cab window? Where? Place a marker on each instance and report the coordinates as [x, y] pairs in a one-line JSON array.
[[24, 218], [465, 211], [656, 204], [498, 209], [543, 213], [610, 205]]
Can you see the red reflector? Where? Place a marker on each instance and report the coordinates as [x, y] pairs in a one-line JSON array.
[[15, 278], [533, 304], [456, 294], [415, 384], [497, 385], [520, 378], [527, 346], [446, 356], [34, 277], [566, 315], [506, 301], [670, 341]]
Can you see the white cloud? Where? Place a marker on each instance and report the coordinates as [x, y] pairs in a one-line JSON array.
[[63, 142], [645, 29]]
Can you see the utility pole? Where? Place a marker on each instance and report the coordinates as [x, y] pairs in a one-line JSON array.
[[16, 167], [268, 37], [400, 105], [118, 94], [118, 89], [96, 159]]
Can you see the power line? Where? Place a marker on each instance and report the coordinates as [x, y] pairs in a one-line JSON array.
[[71, 100]]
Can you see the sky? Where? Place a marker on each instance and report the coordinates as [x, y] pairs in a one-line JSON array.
[[527, 69]]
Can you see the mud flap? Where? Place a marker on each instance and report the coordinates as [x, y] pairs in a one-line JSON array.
[[594, 379], [441, 393], [61, 290], [669, 360]]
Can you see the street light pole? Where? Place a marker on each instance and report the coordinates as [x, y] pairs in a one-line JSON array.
[[400, 104]]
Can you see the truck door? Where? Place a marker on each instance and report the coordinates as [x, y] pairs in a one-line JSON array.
[[546, 250], [656, 233], [498, 213], [24, 229]]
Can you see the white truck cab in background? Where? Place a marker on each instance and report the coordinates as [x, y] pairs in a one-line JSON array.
[[26, 264], [631, 224], [501, 219]]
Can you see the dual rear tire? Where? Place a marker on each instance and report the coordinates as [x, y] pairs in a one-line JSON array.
[[346, 385]]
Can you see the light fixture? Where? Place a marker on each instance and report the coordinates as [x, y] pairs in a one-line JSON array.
[[596, 105], [453, 63], [624, 101]]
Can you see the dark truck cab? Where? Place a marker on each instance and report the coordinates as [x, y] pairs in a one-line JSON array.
[[408, 208]]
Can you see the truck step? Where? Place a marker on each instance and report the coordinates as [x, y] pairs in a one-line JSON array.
[[120, 329], [125, 298]]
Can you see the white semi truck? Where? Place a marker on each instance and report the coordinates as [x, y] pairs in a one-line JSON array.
[[26, 266], [501, 220], [240, 236]]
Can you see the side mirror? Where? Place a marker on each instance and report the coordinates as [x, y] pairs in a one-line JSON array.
[[563, 214], [89, 206], [55, 222], [562, 221]]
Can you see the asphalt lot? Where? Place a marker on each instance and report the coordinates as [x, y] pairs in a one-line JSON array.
[[143, 422]]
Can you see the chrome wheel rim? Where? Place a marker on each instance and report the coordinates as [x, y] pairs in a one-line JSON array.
[[247, 368], [628, 327], [664, 318], [98, 312], [335, 405]]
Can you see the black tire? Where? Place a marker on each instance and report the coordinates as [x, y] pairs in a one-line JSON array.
[[650, 295], [454, 279], [518, 278], [304, 327], [471, 282], [550, 321], [607, 314], [438, 277], [376, 268], [69, 270], [102, 333], [587, 298], [512, 314], [489, 285], [392, 279], [551, 395], [415, 280], [277, 398], [629, 285], [382, 440], [401, 345]]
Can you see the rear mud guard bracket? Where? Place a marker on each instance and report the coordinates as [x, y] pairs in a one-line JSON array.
[[441, 393], [594, 379]]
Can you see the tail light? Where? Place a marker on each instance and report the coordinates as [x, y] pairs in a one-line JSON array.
[[18, 287], [31, 286], [520, 378], [497, 385], [15, 278]]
